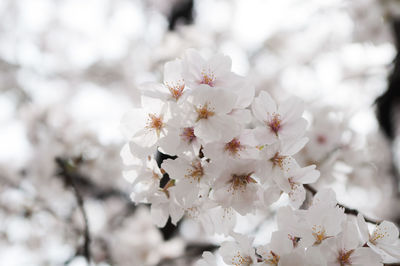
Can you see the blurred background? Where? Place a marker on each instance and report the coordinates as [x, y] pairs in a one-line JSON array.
[[69, 69]]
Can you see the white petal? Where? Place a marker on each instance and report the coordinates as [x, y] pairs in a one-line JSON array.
[[280, 243], [362, 228], [365, 257], [292, 108], [264, 136], [154, 90], [216, 128], [263, 106], [297, 196], [386, 232], [173, 71], [305, 175], [295, 129], [132, 122], [291, 147]]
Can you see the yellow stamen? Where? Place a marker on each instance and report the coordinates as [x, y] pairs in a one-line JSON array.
[[204, 112], [233, 147], [344, 257], [155, 123], [208, 78], [176, 90], [197, 171], [272, 259]]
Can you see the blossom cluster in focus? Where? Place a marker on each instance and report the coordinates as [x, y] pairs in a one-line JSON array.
[[233, 154]]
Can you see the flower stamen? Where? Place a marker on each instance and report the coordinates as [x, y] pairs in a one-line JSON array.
[[344, 257], [204, 112], [188, 134], [197, 171], [319, 234], [176, 90], [233, 147], [155, 123], [239, 182], [278, 160], [208, 78], [275, 124], [272, 259]]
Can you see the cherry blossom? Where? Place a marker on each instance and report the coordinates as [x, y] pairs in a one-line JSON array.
[[231, 163], [279, 122], [242, 146], [239, 252], [384, 238], [346, 249], [145, 128], [237, 186], [209, 112]]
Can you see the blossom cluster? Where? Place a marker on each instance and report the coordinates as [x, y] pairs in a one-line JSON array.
[[321, 235], [233, 154]]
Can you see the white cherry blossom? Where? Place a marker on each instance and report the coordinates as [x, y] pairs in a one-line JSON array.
[[321, 222], [280, 122], [239, 252], [384, 239], [173, 89], [242, 146], [190, 173], [280, 245], [209, 113], [292, 183], [346, 249], [145, 126], [277, 159], [237, 187], [163, 205], [214, 72]]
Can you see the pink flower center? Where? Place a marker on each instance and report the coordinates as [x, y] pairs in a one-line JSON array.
[[188, 134], [239, 182], [275, 124], [233, 146]]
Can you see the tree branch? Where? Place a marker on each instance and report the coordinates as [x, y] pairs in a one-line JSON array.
[[65, 171]]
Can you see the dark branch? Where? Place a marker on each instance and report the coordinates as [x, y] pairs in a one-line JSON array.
[[65, 171]]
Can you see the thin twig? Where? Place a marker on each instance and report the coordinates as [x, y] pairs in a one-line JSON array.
[[70, 180], [347, 210]]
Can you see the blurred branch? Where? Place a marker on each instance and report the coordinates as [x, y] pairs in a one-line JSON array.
[[65, 172]]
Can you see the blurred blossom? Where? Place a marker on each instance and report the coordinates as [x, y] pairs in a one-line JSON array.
[[70, 69]]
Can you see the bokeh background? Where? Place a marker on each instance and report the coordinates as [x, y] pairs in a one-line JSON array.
[[69, 69]]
